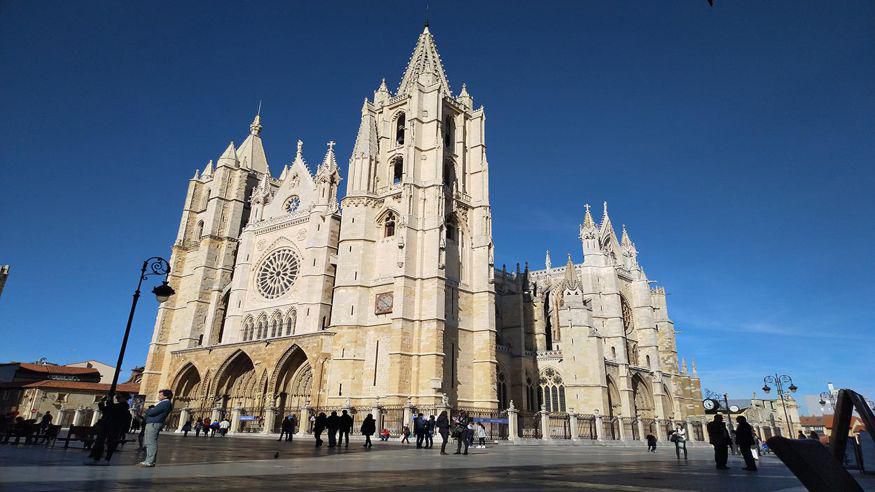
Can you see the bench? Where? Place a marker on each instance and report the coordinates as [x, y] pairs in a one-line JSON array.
[[82, 433]]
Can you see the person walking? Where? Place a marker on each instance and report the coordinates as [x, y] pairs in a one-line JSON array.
[[345, 427], [186, 428], [718, 436], [155, 418], [481, 436], [198, 425], [207, 423], [113, 423], [443, 426], [651, 443], [224, 425], [293, 425], [744, 438], [801, 435], [419, 430], [429, 432], [680, 441], [214, 427], [319, 424], [285, 427], [405, 435], [369, 427], [333, 424]]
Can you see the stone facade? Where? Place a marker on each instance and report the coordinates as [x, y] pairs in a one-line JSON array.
[[283, 302]]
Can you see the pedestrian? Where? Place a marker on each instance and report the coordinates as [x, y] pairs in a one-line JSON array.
[[198, 425], [207, 423], [333, 424], [405, 435], [45, 422], [214, 427], [419, 430], [114, 421], [813, 435], [155, 418], [384, 434], [429, 432], [224, 425], [443, 426], [719, 438], [744, 438], [369, 427], [471, 432], [319, 424], [460, 433], [186, 428], [286, 428], [679, 437], [651, 443], [345, 427], [481, 436]]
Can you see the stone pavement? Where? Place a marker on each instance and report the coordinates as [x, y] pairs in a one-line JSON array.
[[244, 464]]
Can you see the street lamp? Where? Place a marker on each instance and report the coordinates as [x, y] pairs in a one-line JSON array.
[[779, 381]]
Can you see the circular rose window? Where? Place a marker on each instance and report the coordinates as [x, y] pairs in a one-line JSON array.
[[277, 273]]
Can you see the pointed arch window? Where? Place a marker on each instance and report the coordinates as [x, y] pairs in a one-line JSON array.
[[199, 230], [397, 170], [449, 132], [400, 124], [502, 391], [291, 320], [389, 225], [552, 391]]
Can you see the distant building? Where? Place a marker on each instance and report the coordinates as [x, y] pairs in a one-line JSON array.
[[4, 274], [767, 417], [70, 394], [823, 425], [106, 370]]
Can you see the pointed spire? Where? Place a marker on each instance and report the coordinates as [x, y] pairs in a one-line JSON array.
[[229, 153], [695, 372], [425, 62], [464, 98], [684, 365], [263, 191], [208, 170], [366, 139], [251, 152], [547, 261], [587, 218], [625, 241], [606, 226], [197, 174], [330, 161], [284, 172], [255, 127], [571, 281]]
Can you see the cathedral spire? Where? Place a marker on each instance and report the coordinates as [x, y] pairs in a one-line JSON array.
[[588, 223], [330, 161], [251, 152], [571, 281], [228, 158], [547, 261], [424, 66]]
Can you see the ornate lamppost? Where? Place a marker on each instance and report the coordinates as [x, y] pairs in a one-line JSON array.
[[779, 381]]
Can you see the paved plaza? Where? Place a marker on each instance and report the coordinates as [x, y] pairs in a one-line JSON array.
[[246, 463]]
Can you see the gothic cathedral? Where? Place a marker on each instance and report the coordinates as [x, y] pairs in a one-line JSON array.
[[291, 299]]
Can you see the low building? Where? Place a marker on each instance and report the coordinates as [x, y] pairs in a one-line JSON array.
[[823, 425], [70, 394], [768, 417], [106, 370]]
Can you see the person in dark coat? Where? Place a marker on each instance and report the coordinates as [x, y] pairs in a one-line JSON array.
[[345, 427], [443, 427], [745, 438], [419, 430], [718, 435], [332, 423], [460, 432], [186, 428], [114, 421], [369, 427], [319, 426], [286, 428], [293, 425], [429, 432], [651, 443]]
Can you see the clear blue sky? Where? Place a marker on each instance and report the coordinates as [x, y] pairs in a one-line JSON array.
[[735, 142]]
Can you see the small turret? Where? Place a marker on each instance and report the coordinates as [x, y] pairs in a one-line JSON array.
[[228, 158], [592, 253], [381, 95], [547, 262], [630, 253], [464, 98]]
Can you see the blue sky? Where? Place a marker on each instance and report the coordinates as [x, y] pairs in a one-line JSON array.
[[736, 143]]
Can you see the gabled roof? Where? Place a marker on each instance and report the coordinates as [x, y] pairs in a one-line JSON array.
[[50, 369], [425, 60]]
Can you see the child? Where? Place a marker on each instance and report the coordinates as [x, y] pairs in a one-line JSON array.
[[481, 436]]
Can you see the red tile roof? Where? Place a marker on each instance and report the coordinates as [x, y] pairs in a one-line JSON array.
[[47, 369]]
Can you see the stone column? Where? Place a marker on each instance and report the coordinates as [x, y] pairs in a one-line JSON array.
[[660, 429], [217, 413], [77, 417], [572, 422], [599, 427], [303, 421], [512, 423], [184, 415], [95, 416], [408, 412], [621, 425], [376, 413], [269, 420], [235, 420], [641, 433], [545, 429]]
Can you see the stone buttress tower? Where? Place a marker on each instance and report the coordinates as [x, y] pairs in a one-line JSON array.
[[202, 260], [414, 307]]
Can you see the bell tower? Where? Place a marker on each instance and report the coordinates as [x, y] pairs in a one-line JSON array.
[[414, 307]]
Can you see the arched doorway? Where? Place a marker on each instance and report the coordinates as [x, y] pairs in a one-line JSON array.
[[614, 409], [236, 385], [292, 384], [187, 387], [642, 402]]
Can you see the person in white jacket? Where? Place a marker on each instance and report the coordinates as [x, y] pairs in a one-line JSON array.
[[481, 435], [680, 441]]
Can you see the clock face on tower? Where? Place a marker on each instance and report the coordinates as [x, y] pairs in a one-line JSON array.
[[383, 303], [709, 404]]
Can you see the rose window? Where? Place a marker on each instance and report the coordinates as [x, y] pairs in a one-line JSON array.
[[277, 273], [292, 204]]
